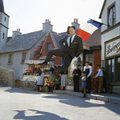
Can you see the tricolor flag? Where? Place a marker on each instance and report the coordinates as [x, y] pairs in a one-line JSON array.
[[83, 34], [95, 23], [85, 31]]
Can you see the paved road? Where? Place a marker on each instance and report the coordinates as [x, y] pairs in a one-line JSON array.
[[19, 104]]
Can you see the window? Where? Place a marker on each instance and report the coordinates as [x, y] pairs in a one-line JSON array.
[[10, 58], [23, 57], [111, 15], [3, 36], [118, 68], [4, 19], [49, 46]]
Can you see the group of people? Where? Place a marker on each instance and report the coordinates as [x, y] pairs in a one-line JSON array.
[[82, 80], [54, 78], [86, 81], [72, 46]]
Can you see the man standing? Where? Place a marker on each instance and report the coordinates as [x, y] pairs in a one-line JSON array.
[[71, 46], [99, 75]]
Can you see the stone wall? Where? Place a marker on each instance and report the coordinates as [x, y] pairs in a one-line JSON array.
[[7, 77]]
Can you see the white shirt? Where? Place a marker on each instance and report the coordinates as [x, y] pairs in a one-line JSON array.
[[63, 79], [99, 73], [68, 40], [90, 68], [40, 79]]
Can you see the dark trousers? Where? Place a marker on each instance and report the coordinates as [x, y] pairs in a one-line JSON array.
[[76, 83], [66, 53], [88, 84]]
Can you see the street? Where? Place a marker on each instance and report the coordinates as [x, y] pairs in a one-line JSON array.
[[20, 104]]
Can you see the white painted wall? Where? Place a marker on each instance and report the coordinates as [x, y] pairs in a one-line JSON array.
[[16, 66]]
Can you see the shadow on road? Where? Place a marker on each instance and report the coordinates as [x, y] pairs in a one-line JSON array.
[[83, 102], [70, 100], [21, 90], [38, 115]]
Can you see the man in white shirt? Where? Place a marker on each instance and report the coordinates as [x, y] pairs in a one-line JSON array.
[[99, 75], [71, 46]]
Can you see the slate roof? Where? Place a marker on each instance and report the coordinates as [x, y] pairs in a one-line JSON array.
[[57, 37], [63, 34], [22, 42], [95, 39], [27, 41]]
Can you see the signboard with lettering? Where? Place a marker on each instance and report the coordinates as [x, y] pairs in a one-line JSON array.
[[113, 48]]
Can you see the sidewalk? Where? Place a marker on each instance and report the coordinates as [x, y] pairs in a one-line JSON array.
[[111, 98]]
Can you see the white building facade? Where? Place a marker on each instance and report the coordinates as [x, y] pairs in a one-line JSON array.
[[110, 38]]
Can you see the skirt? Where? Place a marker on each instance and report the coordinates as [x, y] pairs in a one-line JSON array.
[[83, 84]]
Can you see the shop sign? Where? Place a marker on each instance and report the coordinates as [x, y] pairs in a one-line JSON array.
[[113, 48]]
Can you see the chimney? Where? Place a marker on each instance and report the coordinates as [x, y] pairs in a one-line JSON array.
[[75, 23], [16, 33], [47, 26]]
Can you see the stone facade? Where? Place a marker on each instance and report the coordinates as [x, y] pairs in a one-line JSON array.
[[7, 76]]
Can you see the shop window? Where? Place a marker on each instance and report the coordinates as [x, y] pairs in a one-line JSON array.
[[113, 69], [108, 69], [118, 70], [113, 65]]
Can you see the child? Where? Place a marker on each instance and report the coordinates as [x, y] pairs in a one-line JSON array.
[[63, 80], [83, 85], [40, 81]]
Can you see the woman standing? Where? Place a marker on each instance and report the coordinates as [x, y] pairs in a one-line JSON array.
[[76, 79], [84, 84]]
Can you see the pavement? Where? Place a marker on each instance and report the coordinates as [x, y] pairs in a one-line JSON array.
[[111, 98], [26, 104]]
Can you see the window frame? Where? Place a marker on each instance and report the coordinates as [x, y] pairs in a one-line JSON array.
[[23, 58], [111, 7], [10, 58]]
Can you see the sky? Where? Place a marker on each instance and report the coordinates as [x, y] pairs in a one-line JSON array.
[[28, 15]]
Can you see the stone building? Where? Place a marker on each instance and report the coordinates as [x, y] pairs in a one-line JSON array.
[[20, 49]]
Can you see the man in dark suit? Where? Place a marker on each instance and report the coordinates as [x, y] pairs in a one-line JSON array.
[[71, 46]]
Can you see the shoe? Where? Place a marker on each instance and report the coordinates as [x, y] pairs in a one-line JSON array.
[[84, 96]]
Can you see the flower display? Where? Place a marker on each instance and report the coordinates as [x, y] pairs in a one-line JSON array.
[[48, 81]]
